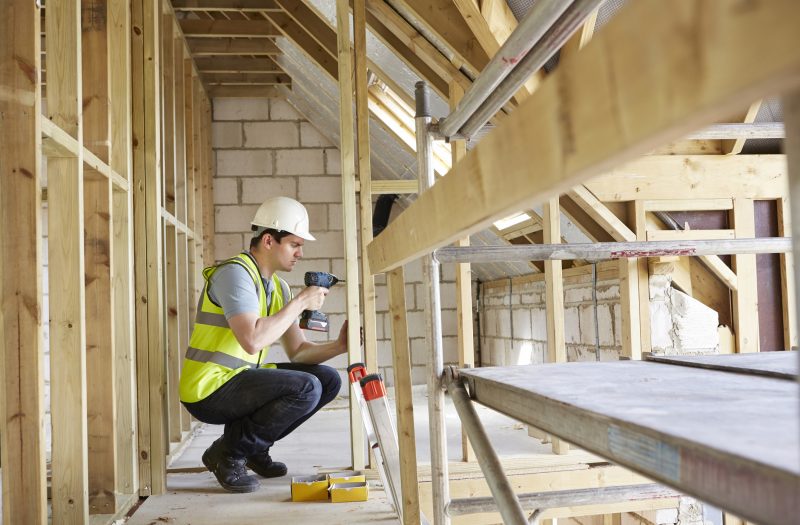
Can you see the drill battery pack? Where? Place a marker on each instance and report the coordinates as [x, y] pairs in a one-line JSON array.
[[314, 320]]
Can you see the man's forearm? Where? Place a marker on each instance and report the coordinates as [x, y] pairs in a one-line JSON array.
[[315, 353]]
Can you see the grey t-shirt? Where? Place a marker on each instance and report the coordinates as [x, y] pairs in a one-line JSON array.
[[232, 288]]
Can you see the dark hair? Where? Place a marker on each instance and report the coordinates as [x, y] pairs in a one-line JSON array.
[[276, 234]]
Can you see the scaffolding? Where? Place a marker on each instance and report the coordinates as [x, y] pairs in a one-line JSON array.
[[565, 145]]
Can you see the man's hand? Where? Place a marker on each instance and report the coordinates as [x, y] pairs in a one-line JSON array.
[[312, 297], [342, 339]]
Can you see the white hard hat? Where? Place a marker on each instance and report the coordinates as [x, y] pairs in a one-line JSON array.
[[283, 214]]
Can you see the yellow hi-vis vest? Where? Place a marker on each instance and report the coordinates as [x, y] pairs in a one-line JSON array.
[[214, 355]]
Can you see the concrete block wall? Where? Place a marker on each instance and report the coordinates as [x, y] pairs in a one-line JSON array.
[[514, 331], [265, 147], [513, 323]]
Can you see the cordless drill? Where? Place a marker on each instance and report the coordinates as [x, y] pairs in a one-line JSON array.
[[313, 319]]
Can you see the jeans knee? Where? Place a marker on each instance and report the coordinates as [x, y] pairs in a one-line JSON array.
[[312, 389]]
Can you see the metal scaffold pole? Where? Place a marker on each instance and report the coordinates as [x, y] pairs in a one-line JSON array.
[[430, 271]]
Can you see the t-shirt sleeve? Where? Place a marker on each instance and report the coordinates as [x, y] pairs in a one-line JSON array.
[[233, 289]]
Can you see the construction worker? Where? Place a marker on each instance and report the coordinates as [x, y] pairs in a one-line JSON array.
[[245, 307]]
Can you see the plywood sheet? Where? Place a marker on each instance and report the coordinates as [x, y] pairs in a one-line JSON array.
[[730, 439], [784, 365]]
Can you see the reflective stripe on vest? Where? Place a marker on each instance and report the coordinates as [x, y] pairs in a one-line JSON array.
[[214, 355]]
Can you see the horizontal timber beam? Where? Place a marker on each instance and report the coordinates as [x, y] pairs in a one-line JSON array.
[[231, 46], [237, 65], [242, 92], [690, 177], [228, 28], [567, 131], [225, 5], [263, 79]]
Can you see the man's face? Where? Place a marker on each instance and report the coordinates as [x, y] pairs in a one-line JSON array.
[[286, 253]]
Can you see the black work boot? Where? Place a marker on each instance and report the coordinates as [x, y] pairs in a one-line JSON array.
[[263, 465], [230, 472]]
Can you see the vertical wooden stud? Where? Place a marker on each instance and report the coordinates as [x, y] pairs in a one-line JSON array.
[[145, 65], [636, 212], [22, 446], [120, 161], [346, 147], [401, 361], [98, 246], [745, 297], [66, 257]]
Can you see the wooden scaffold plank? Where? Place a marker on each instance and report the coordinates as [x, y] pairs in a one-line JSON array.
[[22, 449]]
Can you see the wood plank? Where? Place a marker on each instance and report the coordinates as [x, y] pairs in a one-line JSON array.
[[380, 187], [225, 5], [638, 218], [688, 204], [119, 32], [466, 350], [232, 46], [207, 188], [442, 19], [168, 111], [735, 146], [100, 358], [745, 298], [583, 83], [174, 351], [412, 48], [544, 479], [787, 279], [237, 65], [262, 79], [554, 287], [323, 56], [401, 363], [180, 132], [689, 177], [365, 179], [554, 299], [243, 92], [228, 28], [22, 450], [689, 235], [782, 365], [347, 153], [70, 485], [98, 249], [613, 409], [590, 204], [146, 106]]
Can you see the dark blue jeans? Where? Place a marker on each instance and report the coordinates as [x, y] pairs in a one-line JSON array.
[[260, 406]]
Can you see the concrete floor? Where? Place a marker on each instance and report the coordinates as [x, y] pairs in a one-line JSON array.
[[321, 444]]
